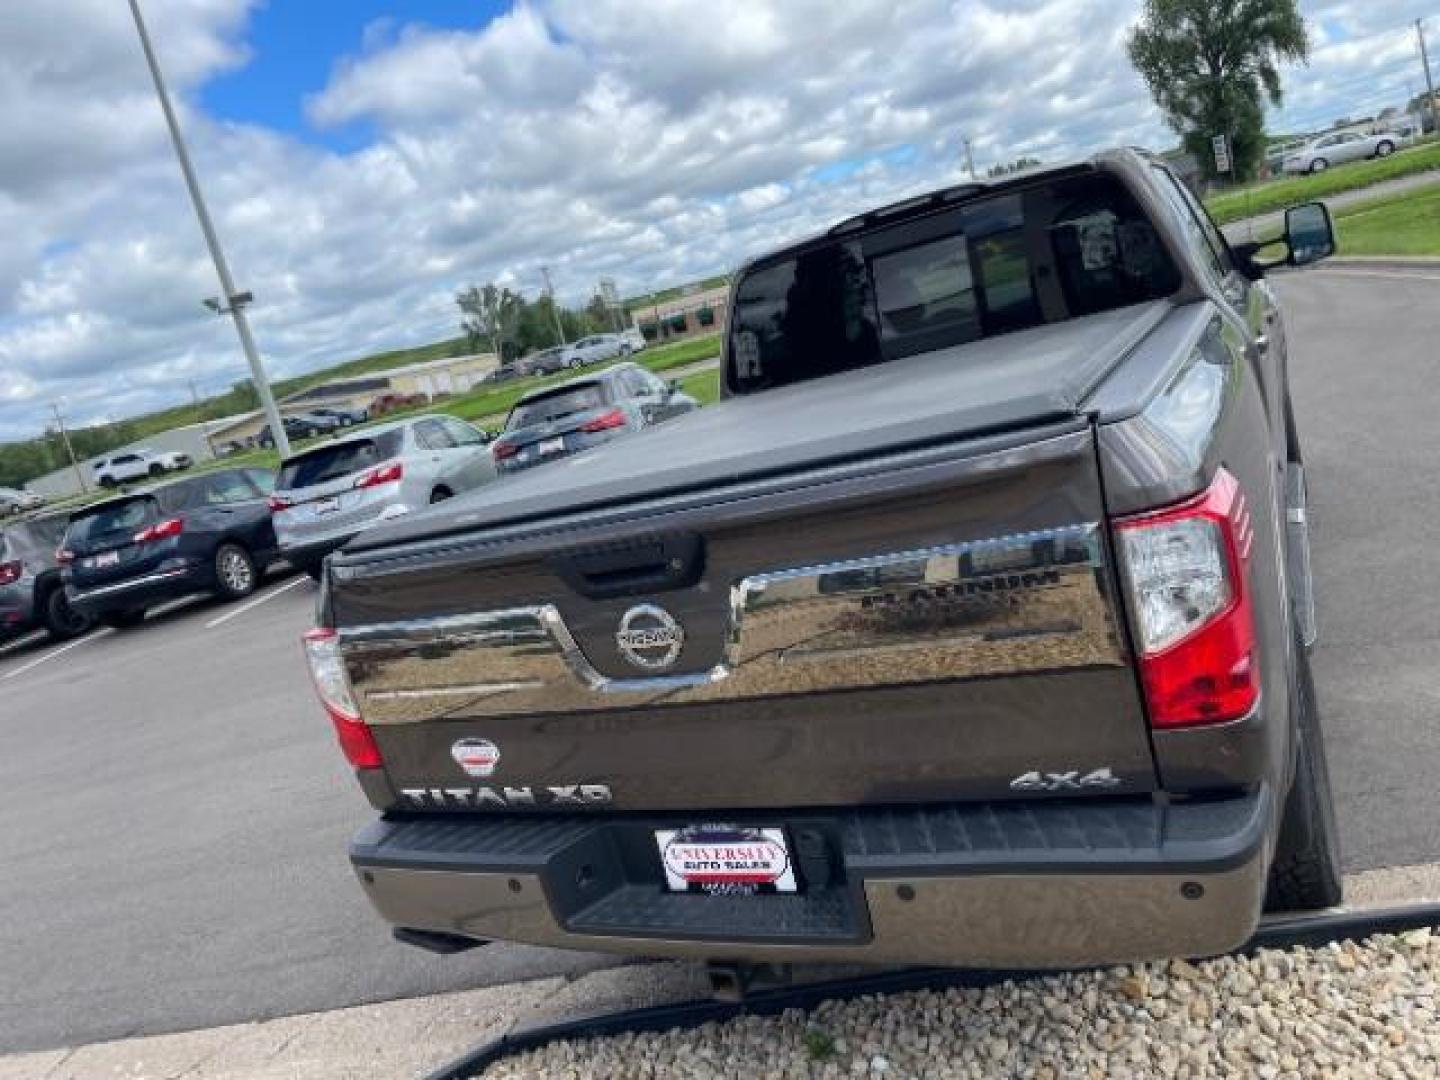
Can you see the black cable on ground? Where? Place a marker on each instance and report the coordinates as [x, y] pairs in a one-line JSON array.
[[1283, 932]]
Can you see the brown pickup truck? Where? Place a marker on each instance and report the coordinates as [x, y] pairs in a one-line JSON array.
[[971, 628]]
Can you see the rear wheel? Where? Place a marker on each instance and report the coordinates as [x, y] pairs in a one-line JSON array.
[[1305, 873], [1385, 149], [157, 469], [440, 494], [107, 481], [61, 620], [235, 573], [1319, 165], [315, 570], [123, 620]]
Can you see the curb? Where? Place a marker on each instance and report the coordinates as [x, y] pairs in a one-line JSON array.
[[1333, 925]]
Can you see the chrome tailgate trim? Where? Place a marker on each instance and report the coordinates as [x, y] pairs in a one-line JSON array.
[[1031, 602]]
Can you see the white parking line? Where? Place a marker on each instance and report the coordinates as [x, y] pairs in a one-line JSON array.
[[220, 620], [53, 653], [1331, 271]]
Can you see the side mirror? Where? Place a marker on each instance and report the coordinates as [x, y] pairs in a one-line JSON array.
[[1309, 233]]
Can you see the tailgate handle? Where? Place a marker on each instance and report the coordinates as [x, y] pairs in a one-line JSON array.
[[634, 567]]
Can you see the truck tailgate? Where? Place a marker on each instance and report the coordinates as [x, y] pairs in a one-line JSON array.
[[937, 624]]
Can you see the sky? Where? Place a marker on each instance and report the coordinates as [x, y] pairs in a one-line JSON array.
[[364, 159]]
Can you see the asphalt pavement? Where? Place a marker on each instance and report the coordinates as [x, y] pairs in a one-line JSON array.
[[176, 815]]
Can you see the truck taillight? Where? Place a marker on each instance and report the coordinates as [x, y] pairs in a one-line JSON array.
[[392, 473], [611, 418], [278, 503], [327, 669], [1186, 571], [504, 450], [10, 572], [64, 557], [162, 530]]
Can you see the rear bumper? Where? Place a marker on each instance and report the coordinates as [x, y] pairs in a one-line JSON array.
[[302, 553], [17, 607], [1043, 885]]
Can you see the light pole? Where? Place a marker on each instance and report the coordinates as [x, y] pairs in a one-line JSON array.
[[234, 301]]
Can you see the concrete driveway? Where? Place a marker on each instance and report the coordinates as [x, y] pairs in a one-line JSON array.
[[176, 815]]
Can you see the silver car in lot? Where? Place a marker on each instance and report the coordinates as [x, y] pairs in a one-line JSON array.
[[1339, 148], [329, 493]]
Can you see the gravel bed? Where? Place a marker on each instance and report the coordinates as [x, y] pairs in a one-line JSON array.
[[1351, 1009]]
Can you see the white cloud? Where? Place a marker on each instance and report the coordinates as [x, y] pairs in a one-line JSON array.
[[646, 140]]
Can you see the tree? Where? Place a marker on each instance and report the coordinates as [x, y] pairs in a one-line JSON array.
[[488, 316], [1211, 65], [598, 315], [1018, 165]]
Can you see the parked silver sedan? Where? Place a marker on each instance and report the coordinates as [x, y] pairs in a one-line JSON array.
[[1339, 148], [329, 493]]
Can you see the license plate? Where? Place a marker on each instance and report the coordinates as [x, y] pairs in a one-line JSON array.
[[327, 506], [551, 446], [726, 860], [104, 559]]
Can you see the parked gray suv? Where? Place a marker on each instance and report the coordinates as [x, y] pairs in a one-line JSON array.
[[578, 414], [31, 593], [329, 493]]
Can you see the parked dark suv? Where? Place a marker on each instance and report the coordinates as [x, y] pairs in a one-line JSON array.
[[31, 592], [209, 533]]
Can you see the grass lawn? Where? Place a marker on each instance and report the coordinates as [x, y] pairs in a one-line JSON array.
[[703, 386], [1278, 194], [1407, 224]]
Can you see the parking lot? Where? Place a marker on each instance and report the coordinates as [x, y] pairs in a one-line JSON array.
[[177, 815]]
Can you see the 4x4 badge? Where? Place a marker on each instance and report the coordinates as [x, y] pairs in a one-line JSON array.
[[649, 637]]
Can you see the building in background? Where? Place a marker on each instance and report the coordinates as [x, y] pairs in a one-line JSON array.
[[688, 315], [429, 381]]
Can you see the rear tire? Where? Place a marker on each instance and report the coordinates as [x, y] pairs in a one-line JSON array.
[[235, 572], [107, 481], [122, 620], [1305, 873], [157, 469], [314, 570], [61, 620], [1319, 165], [1385, 149], [440, 494]]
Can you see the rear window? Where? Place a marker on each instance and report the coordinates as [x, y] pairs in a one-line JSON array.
[[556, 405], [336, 460], [1052, 251], [107, 523]]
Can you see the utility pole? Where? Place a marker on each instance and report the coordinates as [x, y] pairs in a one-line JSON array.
[[204, 426], [233, 300], [69, 450], [1429, 83], [554, 306], [969, 159]]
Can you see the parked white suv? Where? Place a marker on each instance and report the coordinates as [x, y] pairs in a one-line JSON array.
[[136, 465]]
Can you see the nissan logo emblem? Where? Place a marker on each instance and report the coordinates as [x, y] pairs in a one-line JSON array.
[[649, 637]]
